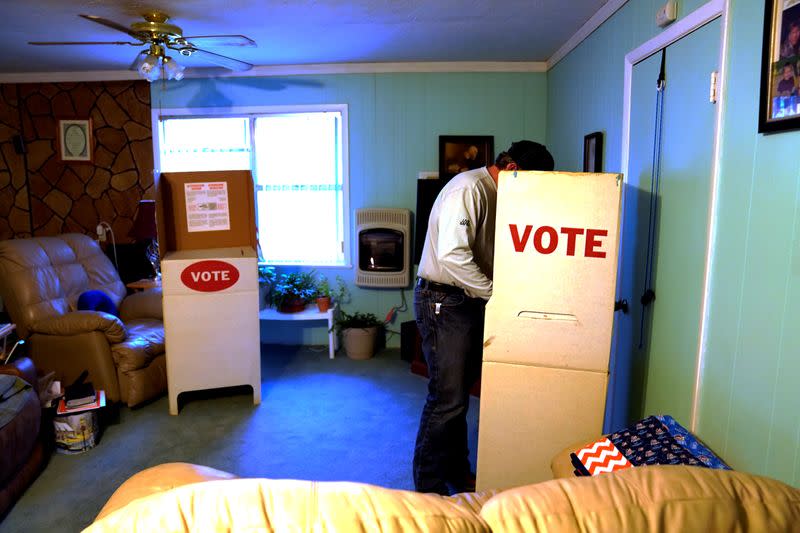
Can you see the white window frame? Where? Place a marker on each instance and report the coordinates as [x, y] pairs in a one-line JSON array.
[[252, 112]]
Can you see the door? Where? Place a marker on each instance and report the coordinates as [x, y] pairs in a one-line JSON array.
[[653, 366]]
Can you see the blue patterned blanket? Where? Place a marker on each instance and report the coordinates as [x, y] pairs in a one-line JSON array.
[[655, 440]]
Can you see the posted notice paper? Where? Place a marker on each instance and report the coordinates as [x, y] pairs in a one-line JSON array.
[[207, 206]]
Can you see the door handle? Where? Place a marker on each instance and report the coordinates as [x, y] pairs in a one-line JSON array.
[[621, 305]]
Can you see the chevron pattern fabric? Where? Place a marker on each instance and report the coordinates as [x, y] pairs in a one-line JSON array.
[[601, 457], [655, 440]]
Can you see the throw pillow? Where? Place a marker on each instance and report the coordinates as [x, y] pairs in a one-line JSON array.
[[97, 301]]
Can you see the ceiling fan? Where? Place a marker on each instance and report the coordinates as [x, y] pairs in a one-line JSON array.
[[160, 36]]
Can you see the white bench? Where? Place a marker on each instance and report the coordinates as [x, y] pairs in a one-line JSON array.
[[309, 313]]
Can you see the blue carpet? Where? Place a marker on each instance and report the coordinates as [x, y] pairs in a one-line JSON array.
[[320, 419]]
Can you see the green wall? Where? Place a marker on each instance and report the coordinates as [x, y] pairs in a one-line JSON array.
[[395, 122], [749, 404]]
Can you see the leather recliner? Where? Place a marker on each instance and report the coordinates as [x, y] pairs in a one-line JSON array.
[[41, 279]]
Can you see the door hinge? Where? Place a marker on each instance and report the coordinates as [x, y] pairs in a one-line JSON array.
[[713, 89]]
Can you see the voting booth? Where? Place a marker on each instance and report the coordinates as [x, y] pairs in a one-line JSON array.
[[209, 281], [547, 336]]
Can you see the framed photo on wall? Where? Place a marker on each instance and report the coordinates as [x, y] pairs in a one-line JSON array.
[[458, 153], [593, 152], [779, 106], [75, 140]]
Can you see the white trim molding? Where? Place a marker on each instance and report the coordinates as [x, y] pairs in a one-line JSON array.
[[597, 20], [288, 70], [58, 77]]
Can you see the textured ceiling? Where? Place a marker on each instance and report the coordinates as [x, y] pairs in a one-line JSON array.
[[290, 32]]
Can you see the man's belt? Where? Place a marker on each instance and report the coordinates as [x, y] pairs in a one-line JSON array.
[[424, 284]]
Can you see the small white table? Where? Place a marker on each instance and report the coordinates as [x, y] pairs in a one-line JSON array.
[[309, 313]]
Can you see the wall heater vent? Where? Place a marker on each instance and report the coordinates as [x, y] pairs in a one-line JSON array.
[[384, 249]]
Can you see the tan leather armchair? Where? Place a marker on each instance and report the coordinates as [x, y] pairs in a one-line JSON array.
[[40, 281]]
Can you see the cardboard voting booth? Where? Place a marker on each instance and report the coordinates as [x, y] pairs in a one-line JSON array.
[[209, 281], [547, 335]]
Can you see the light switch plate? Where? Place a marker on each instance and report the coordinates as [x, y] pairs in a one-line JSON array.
[[667, 14]]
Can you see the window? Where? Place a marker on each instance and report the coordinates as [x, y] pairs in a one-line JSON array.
[[189, 144], [299, 165]]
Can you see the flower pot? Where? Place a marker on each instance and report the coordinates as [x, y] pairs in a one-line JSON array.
[[295, 305], [323, 304], [359, 343]]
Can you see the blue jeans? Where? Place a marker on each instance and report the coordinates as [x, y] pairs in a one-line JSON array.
[[452, 342]]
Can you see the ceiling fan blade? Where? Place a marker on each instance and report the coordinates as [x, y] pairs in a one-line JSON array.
[[116, 26], [221, 40], [225, 61], [48, 43]]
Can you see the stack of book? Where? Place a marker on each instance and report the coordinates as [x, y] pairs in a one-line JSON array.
[[79, 395], [98, 402]]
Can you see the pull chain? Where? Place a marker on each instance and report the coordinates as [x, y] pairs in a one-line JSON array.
[[649, 295]]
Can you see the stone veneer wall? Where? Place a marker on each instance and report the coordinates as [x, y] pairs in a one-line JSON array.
[[40, 195], [15, 220]]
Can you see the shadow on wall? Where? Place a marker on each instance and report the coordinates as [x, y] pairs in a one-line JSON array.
[[629, 360], [208, 93]]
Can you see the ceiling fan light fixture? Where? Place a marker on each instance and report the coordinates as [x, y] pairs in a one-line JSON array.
[[172, 69], [149, 67], [158, 36]]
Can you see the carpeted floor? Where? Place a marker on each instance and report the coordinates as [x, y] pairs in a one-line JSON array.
[[341, 420]]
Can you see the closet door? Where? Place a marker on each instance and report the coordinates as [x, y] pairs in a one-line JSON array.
[[654, 365]]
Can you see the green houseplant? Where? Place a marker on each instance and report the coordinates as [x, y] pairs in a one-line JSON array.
[[359, 333], [323, 294], [327, 294], [266, 279], [293, 291]]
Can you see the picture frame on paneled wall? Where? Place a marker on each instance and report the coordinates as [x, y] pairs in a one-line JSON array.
[[75, 140], [779, 105], [593, 152], [458, 153]]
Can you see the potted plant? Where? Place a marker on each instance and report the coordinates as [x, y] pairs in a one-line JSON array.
[[326, 294], [341, 294], [293, 291], [323, 295], [359, 333], [266, 279]]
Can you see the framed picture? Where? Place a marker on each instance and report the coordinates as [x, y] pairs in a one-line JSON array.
[[458, 153], [779, 106], [75, 140], [593, 152]]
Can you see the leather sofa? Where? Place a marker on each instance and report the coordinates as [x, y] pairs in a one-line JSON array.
[[41, 280], [24, 441], [177, 497]]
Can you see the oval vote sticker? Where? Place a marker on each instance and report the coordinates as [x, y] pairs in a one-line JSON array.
[[210, 276]]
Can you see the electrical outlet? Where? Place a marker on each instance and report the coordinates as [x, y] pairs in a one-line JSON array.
[[101, 233], [667, 14]]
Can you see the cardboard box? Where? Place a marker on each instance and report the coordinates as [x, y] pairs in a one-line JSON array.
[[202, 210]]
